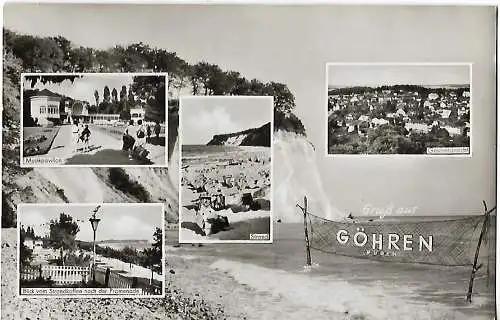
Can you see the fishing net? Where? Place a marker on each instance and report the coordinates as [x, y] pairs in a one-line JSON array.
[[444, 242]]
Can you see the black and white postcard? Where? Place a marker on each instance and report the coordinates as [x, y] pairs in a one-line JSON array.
[[226, 169], [394, 108], [325, 161], [94, 119], [91, 250]]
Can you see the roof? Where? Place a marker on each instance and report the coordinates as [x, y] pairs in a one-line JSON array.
[[48, 93]]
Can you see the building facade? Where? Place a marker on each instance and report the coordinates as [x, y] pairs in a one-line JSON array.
[[43, 108], [137, 114]]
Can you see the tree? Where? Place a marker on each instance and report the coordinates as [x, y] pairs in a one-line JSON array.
[[150, 90], [106, 96], [123, 94], [284, 101], [131, 98], [25, 253], [114, 94], [82, 59], [39, 54], [390, 106], [63, 233], [153, 255], [96, 96]]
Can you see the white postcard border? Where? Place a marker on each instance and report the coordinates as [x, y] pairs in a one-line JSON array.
[[22, 163], [271, 194]]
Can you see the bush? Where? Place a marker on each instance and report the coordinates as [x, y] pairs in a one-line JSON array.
[[8, 213], [121, 180]]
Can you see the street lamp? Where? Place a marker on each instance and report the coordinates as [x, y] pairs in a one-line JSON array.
[[94, 222]]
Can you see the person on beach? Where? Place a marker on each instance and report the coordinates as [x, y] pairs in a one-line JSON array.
[[128, 138]]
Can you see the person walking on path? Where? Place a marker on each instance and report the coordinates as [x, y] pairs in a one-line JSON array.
[[74, 136], [157, 130], [148, 131], [128, 138], [85, 136], [140, 140]]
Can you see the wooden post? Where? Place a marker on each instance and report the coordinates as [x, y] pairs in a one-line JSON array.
[[475, 267], [308, 250]]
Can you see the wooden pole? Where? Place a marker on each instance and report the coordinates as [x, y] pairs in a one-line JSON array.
[[475, 267], [308, 249]]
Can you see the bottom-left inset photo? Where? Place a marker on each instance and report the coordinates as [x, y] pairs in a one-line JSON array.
[[91, 250]]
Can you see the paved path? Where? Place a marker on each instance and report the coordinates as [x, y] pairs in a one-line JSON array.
[[103, 145]]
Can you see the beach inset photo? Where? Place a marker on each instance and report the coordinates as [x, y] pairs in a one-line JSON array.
[[410, 109], [93, 119], [89, 250], [226, 169]]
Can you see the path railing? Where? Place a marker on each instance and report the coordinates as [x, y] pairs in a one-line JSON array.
[[30, 273], [114, 279], [66, 274], [61, 275]]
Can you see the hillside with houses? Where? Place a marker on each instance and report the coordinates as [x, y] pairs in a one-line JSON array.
[[401, 119]]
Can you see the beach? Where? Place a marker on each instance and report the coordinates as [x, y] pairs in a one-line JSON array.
[[236, 181], [241, 281]]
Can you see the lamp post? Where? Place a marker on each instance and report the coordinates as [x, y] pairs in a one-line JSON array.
[[94, 222]]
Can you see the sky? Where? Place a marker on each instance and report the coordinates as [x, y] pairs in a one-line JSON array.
[[204, 117], [292, 44], [118, 221], [83, 88], [377, 75]]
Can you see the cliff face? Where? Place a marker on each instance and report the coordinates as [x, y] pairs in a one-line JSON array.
[[295, 175], [256, 137]]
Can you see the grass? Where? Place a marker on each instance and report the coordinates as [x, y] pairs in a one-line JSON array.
[[38, 140]]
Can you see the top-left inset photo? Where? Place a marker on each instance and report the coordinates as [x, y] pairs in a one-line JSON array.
[[94, 119]]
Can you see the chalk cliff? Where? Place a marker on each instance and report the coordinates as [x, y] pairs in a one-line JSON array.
[[257, 137]]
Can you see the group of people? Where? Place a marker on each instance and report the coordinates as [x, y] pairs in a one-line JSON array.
[[135, 138], [80, 133]]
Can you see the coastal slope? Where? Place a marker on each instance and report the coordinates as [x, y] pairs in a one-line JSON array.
[[255, 137]]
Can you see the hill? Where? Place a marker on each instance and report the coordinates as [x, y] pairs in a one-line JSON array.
[[255, 137]]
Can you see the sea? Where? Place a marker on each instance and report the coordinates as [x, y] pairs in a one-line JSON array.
[[138, 245], [388, 285], [204, 151]]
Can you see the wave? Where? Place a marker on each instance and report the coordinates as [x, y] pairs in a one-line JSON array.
[[335, 295]]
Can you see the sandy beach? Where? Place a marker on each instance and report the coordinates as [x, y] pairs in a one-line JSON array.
[[219, 282], [237, 183]]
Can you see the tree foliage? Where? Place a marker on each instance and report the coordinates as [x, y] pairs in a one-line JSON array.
[[25, 253], [63, 232]]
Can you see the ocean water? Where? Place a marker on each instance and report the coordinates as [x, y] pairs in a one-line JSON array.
[[203, 151], [388, 285]]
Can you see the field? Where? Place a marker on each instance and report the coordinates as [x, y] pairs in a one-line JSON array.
[[38, 140]]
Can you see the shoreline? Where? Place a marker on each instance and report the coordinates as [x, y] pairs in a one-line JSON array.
[[200, 285]]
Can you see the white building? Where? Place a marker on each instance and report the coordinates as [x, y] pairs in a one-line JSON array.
[[45, 106], [401, 113], [445, 114], [421, 127], [433, 96], [378, 122], [363, 118], [137, 114], [453, 131], [466, 94]]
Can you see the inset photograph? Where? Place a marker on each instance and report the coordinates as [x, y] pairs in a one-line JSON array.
[[94, 119], [410, 109], [91, 250], [226, 169]]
